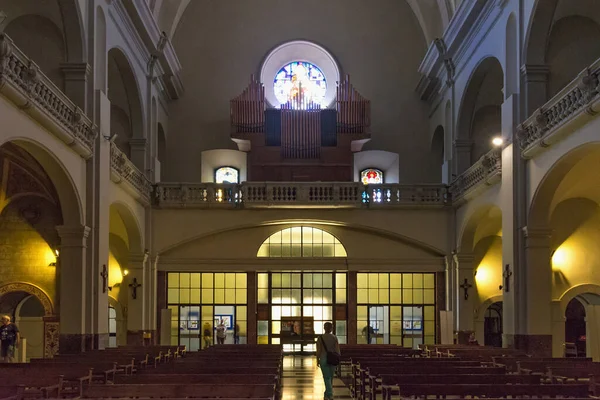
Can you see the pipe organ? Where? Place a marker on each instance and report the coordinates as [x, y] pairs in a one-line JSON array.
[[300, 140]]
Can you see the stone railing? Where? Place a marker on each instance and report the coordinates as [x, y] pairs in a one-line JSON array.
[[485, 172], [123, 170], [298, 194], [580, 98], [23, 83]]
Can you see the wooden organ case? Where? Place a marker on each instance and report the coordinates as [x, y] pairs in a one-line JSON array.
[[300, 141]]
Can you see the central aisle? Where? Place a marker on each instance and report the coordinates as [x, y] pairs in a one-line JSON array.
[[302, 380]]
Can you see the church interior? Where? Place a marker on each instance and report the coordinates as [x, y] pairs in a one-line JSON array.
[[419, 173]]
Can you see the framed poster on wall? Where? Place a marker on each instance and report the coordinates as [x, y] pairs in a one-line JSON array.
[[227, 320]]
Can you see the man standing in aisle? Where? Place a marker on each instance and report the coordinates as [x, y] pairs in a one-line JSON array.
[[9, 339]]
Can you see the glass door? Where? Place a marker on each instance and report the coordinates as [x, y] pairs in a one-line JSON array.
[[379, 325], [412, 326], [189, 327]]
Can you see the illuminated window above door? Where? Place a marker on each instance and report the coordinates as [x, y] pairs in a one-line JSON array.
[[302, 241]]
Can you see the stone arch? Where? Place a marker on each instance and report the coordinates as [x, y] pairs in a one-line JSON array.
[[511, 78], [132, 226], [70, 201], [538, 29], [542, 200], [73, 27], [473, 227], [361, 228], [125, 85], [33, 290], [481, 101], [41, 40], [100, 57], [480, 312]]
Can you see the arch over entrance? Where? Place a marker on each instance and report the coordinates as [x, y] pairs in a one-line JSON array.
[[50, 319]]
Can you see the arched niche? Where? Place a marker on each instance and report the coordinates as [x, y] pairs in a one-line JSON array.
[[127, 115], [479, 117]]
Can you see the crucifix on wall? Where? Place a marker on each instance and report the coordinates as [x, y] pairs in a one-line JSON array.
[[134, 285], [104, 275], [466, 286], [507, 274]]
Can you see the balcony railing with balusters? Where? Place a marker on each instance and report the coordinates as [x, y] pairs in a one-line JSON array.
[[547, 125], [22, 82], [298, 194], [485, 172], [123, 170]]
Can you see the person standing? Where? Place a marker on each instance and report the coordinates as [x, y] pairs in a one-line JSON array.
[[207, 335], [236, 334], [9, 339], [221, 332], [327, 342]]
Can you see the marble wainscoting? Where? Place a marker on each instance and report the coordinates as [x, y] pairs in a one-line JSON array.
[[303, 380]]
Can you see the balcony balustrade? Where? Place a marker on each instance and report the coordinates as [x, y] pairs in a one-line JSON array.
[[578, 100], [485, 172], [22, 82], [298, 194], [123, 170]]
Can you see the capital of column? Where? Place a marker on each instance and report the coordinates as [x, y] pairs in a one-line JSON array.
[[463, 144], [73, 235], [537, 237], [137, 261], [138, 143], [535, 72], [463, 261], [75, 71]]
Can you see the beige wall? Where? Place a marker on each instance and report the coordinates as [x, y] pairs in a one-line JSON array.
[[380, 47]]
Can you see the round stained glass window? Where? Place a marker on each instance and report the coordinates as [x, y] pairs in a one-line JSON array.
[[300, 83]]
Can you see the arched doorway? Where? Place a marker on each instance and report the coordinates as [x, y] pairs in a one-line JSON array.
[[492, 325], [33, 312], [575, 326]]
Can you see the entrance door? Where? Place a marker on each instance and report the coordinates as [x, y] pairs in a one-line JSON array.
[[412, 326], [379, 326], [492, 325]]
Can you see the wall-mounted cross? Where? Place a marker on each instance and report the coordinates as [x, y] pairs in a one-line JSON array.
[[466, 286], [134, 285], [507, 274], [104, 275]]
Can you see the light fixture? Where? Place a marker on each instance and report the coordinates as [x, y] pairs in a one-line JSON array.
[[111, 138], [56, 252], [125, 272], [497, 141]]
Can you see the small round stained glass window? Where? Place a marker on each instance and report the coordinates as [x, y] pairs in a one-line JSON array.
[[371, 176], [227, 175], [300, 84]]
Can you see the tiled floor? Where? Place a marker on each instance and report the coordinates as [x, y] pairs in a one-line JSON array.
[[302, 379]]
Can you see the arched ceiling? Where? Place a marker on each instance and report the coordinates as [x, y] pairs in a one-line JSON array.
[[433, 15]]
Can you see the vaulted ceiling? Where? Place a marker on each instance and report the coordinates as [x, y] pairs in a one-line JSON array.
[[433, 15]]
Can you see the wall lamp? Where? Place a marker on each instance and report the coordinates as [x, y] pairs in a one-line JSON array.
[[111, 138], [497, 141]]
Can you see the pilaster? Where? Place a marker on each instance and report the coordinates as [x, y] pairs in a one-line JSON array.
[[466, 295], [535, 86], [138, 152], [351, 325], [252, 284], [73, 337], [462, 155], [135, 283], [76, 76]]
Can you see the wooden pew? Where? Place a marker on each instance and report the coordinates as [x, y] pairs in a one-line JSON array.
[[70, 378], [487, 390], [11, 392], [179, 391], [540, 367]]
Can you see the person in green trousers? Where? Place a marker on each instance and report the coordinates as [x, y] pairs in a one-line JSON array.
[[327, 341]]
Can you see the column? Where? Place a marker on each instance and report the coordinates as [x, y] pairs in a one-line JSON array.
[[535, 299], [76, 75], [138, 153], [558, 329], [535, 87], [466, 295], [592, 331], [136, 298], [462, 155], [73, 336], [351, 303], [252, 284]]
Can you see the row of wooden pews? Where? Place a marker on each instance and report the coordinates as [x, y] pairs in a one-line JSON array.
[[454, 371], [68, 375], [225, 372]]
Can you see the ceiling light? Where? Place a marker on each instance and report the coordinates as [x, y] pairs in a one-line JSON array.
[[497, 141]]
